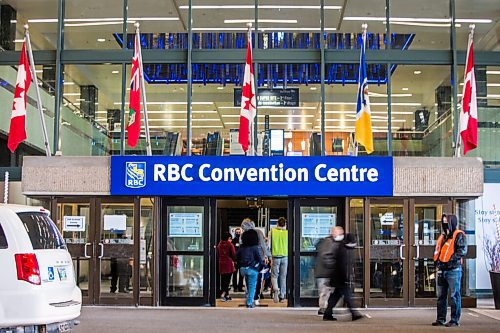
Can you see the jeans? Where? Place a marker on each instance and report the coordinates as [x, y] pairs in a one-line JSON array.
[[325, 290], [250, 275], [449, 281], [279, 270]]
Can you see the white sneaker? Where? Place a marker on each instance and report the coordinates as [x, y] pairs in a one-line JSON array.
[[256, 302], [276, 297]]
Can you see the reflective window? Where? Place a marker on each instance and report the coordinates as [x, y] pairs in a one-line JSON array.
[[185, 276], [42, 231]]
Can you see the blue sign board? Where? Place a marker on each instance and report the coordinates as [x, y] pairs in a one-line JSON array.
[[251, 176]]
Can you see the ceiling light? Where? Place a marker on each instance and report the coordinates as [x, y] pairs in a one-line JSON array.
[[417, 72], [414, 19], [101, 40], [313, 88], [72, 94], [220, 88], [374, 94], [493, 72], [69, 83], [260, 21], [115, 72], [171, 103], [404, 89]]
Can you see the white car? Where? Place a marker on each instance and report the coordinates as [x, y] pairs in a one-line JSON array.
[[37, 281]]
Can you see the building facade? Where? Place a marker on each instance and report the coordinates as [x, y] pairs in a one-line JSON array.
[[306, 55]]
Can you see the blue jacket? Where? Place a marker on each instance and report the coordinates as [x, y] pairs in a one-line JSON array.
[[249, 256]]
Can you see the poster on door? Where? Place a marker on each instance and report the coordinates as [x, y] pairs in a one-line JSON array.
[[487, 211], [317, 225], [185, 225]]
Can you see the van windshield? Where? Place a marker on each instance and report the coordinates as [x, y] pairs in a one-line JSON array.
[[42, 231]]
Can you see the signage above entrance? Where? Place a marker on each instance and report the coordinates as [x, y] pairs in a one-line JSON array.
[[251, 176]]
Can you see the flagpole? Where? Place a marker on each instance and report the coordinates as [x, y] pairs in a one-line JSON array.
[[143, 91], [37, 89], [459, 137]]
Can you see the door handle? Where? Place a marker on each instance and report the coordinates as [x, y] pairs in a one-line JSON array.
[[85, 250], [418, 252], [401, 251], [102, 250]]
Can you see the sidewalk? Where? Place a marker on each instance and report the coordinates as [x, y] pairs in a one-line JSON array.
[[290, 320]]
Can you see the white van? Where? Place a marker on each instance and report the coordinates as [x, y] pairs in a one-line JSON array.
[[38, 292]]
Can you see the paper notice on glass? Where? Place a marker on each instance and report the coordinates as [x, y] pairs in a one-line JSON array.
[[387, 219], [185, 225], [317, 225], [74, 223], [115, 222], [142, 251]]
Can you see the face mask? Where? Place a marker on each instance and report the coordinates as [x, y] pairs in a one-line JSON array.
[[445, 228], [339, 238]]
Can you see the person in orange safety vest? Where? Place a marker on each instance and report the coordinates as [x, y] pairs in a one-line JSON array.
[[451, 248]]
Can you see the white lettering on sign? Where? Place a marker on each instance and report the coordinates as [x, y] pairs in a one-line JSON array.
[[273, 173]]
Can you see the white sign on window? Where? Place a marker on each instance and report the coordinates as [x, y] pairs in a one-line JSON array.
[[115, 222], [74, 223], [317, 225], [387, 219], [185, 225]]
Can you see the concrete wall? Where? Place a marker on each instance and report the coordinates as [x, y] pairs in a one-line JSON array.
[[413, 176]]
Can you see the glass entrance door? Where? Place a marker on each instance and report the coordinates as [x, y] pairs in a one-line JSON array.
[[315, 219], [184, 259], [74, 221], [100, 235], [388, 279], [424, 231]]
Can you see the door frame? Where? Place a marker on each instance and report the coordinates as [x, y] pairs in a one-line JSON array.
[[208, 297], [94, 237], [295, 233], [386, 302]]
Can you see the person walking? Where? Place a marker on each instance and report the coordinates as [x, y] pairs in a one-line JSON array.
[[250, 262], [324, 269], [265, 254], [226, 255], [237, 278], [451, 248], [278, 238], [342, 271]]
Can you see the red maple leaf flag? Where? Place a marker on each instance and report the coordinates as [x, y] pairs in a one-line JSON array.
[[468, 115], [134, 117], [17, 131], [248, 100]]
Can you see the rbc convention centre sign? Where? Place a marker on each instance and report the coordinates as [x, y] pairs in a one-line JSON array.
[[251, 176]]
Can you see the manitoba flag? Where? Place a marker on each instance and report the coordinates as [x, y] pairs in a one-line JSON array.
[[134, 117], [468, 115], [17, 131], [248, 100]]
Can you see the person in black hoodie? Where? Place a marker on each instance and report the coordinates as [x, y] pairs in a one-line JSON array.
[[451, 247], [237, 278], [250, 261], [341, 276]]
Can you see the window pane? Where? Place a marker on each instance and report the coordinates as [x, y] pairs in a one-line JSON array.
[[185, 228], [484, 14], [185, 276], [316, 223], [42, 231]]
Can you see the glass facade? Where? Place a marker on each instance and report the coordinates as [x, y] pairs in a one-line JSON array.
[[410, 74]]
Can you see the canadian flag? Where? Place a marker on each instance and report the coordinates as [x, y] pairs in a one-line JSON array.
[[468, 115], [17, 131], [248, 100]]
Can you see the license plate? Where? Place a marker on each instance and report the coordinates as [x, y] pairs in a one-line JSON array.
[[61, 271], [64, 327]]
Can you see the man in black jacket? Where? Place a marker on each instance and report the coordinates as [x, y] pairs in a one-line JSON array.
[[323, 269], [341, 277], [451, 247]]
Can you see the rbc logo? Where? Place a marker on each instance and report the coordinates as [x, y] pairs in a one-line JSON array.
[[135, 176]]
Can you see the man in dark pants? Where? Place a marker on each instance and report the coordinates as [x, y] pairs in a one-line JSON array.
[[341, 277], [237, 278], [451, 247]]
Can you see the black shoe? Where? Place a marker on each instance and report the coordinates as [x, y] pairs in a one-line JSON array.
[[357, 316], [438, 323], [329, 318], [452, 324], [321, 312]]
